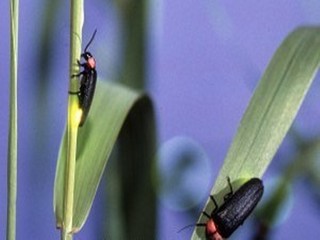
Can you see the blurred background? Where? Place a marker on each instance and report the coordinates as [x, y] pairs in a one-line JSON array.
[[203, 60]]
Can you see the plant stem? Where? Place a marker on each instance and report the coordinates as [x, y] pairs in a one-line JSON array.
[[13, 138], [76, 20], [72, 132]]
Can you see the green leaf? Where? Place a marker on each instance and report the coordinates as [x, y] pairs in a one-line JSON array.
[[114, 107], [271, 111]]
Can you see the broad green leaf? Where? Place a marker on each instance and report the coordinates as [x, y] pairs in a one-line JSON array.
[[114, 108], [271, 111]]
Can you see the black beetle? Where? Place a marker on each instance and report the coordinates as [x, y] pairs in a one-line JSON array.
[[88, 80], [224, 220]]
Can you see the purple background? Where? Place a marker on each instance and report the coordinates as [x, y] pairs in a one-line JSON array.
[[205, 58]]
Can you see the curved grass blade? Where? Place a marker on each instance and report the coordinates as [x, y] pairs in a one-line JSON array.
[[271, 111], [113, 107]]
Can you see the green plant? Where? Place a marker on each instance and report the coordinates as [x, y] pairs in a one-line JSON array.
[[271, 111], [13, 124]]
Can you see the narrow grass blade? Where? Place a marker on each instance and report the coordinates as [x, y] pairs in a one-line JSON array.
[[13, 122], [113, 106], [271, 111]]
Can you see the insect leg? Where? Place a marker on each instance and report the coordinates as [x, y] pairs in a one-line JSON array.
[[74, 93], [206, 214], [78, 74], [81, 64], [228, 195], [201, 224], [215, 203]]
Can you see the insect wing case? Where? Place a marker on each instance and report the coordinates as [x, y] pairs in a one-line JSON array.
[[232, 213], [87, 89]]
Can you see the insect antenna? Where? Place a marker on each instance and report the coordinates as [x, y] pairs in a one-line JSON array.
[[188, 226], [192, 225], [95, 31]]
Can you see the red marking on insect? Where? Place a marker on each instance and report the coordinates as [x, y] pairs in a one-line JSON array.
[[211, 231], [91, 63]]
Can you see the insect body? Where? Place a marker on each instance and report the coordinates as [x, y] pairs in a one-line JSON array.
[[224, 220], [88, 80]]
